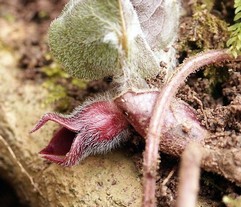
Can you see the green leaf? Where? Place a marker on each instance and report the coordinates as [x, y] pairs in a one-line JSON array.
[[233, 27], [237, 3], [235, 54], [234, 43], [231, 41], [237, 17], [238, 9], [238, 46], [96, 38]]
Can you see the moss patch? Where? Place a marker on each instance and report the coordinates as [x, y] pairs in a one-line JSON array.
[[59, 85], [202, 31]]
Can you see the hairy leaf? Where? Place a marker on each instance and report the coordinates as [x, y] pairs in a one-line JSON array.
[[96, 38], [159, 21]]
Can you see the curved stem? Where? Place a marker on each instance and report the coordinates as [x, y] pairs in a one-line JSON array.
[[163, 102]]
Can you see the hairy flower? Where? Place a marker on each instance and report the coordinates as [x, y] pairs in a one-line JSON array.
[[100, 126], [95, 128]]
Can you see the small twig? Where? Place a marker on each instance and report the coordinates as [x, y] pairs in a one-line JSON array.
[[157, 120], [23, 170], [168, 177], [189, 175], [202, 110]]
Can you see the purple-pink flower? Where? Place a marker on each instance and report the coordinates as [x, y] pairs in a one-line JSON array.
[[95, 128]]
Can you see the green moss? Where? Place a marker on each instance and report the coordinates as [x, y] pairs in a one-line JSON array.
[[80, 84], [216, 78], [204, 31], [216, 75], [59, 85], [208, 4], [211, 32], [54, 71], [57, 95]]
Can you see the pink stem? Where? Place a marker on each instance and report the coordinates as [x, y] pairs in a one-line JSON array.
[[162, 104], [189, 174]]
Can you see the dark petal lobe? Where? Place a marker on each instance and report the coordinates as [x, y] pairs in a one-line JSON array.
[[60, 144]]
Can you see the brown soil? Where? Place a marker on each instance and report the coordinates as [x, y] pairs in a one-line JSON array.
[[218, 103]]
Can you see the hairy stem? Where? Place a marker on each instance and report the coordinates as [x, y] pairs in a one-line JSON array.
[[157, 120]]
